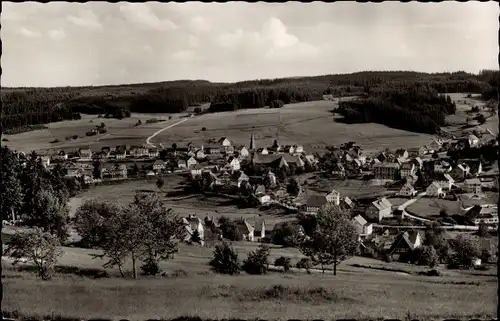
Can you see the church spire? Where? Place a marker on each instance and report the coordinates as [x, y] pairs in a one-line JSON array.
[[252, 142]]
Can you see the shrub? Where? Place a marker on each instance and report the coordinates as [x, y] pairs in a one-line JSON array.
[[75, 136], [257, 261], [55, 141], [428, 256], [285, 262], [169, 117], [150, 267], [485, 256], [5, 140], [197, 110], [304, 263], [203, 129], [225, 260]]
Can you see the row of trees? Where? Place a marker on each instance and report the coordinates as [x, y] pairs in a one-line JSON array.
[[29, 106]]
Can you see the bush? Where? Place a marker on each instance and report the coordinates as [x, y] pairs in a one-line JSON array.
[[276, 104], [5, 140], [225, 260], [257, 261], [197, 110], [75, 136], [169, 117], [427, 255], [304, 263], [150, 267], [285, 262], [55, 141], [203, 129]]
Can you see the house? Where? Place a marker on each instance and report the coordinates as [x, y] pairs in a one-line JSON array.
[[434, 190], [473, 140], [338, 170], [295, 227], [279, 160], [61, 155], [333, 197], [260, 190], [475, 166], [460, 172], [45, 161], [264, 199], [85, 155], [243, 152], [402, 153], [233, 163], [246, 230], [141, 152], [412, 179], [473, 185], [442, 167], [159, 165], [191, 162], [272, 178], [191, 153], [445, 181], [119, 171], [192, 224], [379, 209], [418, 162], [408, 169], [181, 164], [483, 214], [362, 226], [263, 151], [214, 150], [224, 142], [404, 244], [347, 204], [435, 144], [106, 151], [153, 152], [259, 232], [382, 157], [311, 160], [386, 171], [242, 178], [314, 203], [228, 150], [407, 190], [288, 149], [196, 170], [200, 154], [298, 149]]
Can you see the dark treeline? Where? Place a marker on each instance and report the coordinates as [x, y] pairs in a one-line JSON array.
[[414, 106], [31, 106]]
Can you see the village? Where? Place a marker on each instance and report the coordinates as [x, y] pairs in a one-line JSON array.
[[277, 176]]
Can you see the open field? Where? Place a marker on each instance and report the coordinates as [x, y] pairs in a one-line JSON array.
[[119, 132], [182, 204], [353, 188], [309, 124], [430, 207], [459, 119], [355, 292]]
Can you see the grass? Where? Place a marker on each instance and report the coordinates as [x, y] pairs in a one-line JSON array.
[[353, 188], [273, 296], [430, 207], [309, 124]]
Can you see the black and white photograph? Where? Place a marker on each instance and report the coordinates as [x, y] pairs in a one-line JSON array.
[[249, 161]]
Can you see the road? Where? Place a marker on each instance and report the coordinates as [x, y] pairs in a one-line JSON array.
[[403, 206], [159, 131]]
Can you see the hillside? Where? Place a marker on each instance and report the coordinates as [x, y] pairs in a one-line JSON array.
[[32, 106]]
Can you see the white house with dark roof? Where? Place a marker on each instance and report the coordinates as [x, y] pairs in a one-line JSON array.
[[407, 190], [233, 164], [159, 165], [192, 224], [191, 162], [362, 226], [314, 203], [243, 152], [181, 164], [473, 140], [246, 230], [408, 169], [333, 197], [85, 155], [196, 170], [434, 190], [473, 185], [338, 170], [224, 141], [379, 209]]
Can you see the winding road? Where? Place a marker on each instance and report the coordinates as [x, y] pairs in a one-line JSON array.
[[403, 206], [164, 128]]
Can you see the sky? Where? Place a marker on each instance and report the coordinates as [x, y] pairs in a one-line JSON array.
[[93, 43]]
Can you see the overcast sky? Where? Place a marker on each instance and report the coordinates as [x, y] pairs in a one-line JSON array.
[[68, 44]]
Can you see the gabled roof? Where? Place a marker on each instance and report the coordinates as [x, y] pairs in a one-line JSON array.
[[220, 141], [382, 204], [360, 220], [196, 166], [463, 167], [473, 137], [159, 162], [473, 181], [316, 200], [259, 225], [408, 186], [244, 227], [407, 238], [338, 167], [436, 184], [181, 161], [348, 202]]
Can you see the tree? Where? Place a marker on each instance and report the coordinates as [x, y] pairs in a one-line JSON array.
[[428, 256], [305, 263], [39, 247], [481, 119], [48, 213], [334, 239], [257, 261], [283, 173], [174, 146], [485, 255], [225, 259], [11, 190], [286, 236], [229, 229], [443, 213], [160, 183], [195, 237], [483, 230], [293, 187], [285, 262], [466, 249]]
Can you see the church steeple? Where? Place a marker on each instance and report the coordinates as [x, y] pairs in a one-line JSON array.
[[252, 142]]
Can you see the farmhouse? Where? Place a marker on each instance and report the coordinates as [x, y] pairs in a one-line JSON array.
[[408, 169], [85, 155], [434, 190], [402, 153], [242, 178], [407, 190], [338, 170], [200, 154], [214, 150], [475, 166], [379, 209], [314, 203], [246, 230], [445, 181], [418, 162], [192, 224], [473, 185], [483, 214], [347, 204], [45, 161], [288, 149], [473, 140], [362, 226], [435, 144], [259, 232], [196, 170], [224, 142], [181, 164], [120, 171], [277, 159], [298, 149], [333, 197], [61, 155], [404, 244], [233, 164], [311, 160], [191, 162], [442, 167], [386, 171]]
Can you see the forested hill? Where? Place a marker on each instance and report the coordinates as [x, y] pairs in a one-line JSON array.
[[30, 106]]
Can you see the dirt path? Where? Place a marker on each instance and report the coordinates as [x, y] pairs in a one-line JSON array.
[[159, 131]]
